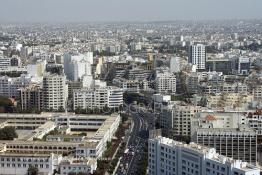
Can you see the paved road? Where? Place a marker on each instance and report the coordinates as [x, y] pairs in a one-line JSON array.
[[143, 122]]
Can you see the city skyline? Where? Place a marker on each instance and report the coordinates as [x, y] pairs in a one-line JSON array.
[[117, 10]]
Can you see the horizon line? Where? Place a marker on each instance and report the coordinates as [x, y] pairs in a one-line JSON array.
[[129, 21]]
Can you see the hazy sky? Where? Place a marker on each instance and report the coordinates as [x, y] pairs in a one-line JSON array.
[[126, 10]]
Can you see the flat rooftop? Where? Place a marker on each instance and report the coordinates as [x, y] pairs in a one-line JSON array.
[[206, 151]]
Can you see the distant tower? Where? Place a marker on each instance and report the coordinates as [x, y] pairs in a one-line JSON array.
[[197, 56], [174, 64]]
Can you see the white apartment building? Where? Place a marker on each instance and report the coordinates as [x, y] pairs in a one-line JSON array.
[[17, 164], [9, 86], [99, 97], [165, 82], [55, 91], [79, 69], [74, 165], [37, 69], [114, 97], [197, 56], [77, 65], [166, 156]]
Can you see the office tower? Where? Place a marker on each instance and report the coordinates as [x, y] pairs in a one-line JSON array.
[[55, 91], [227, 132], [175, 64], [166, 156], [31, 97], [241, 65], [236, 143], [219, 65], [197, 56]]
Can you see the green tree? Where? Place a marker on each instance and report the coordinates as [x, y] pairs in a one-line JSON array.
[[8, 133], [32, 170]]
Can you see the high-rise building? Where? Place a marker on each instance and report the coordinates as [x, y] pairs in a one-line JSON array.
[[55, 91], [165, 82], [166, 156], [197, 56], [77, 65], [31, 97], [241, 65]]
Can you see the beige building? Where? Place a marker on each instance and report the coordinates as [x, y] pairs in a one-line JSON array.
[[175, 120], [231, 100], [31, 97]]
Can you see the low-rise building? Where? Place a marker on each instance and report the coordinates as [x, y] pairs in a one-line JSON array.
[[74, 165], [18, 163]]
